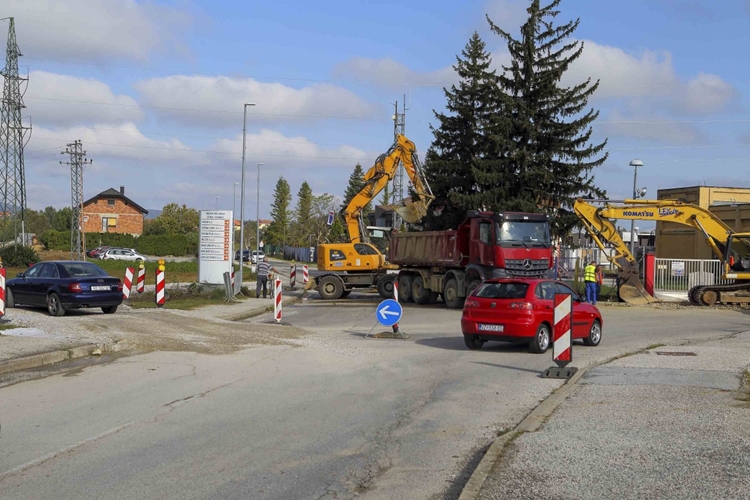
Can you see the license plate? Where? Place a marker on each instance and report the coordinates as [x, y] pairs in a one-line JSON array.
[[100, 288], [491, 328]]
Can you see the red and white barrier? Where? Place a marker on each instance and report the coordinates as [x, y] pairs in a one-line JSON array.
[[2, 291], [277, 299], [395, 290], [562, 352], [141, 283], [293, 276], [305, 275], [159, 296], [127, 283], [232, 278]]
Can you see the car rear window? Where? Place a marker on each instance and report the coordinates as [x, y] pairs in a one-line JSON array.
[[83, 269], [502, 290]]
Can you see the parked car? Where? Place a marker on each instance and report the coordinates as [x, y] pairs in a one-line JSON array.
[[122, 254], [96, 251], [63, 285], [245, 255], [256, 256], [521, 310]]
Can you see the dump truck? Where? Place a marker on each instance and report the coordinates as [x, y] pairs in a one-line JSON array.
[[453, 263]]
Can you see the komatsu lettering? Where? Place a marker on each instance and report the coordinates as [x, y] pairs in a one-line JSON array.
[[633, 213]]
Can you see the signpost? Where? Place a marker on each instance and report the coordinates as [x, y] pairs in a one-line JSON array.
[[388, 312], [215, 246], [330, 218]]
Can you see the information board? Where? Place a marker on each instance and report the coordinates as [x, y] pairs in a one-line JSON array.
[[215, 244]]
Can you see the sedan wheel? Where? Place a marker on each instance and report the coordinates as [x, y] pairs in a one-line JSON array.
[[9, 302], [595, 334], [541, 340], [54, 307]]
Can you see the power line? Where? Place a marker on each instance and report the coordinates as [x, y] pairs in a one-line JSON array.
[[77, 163]]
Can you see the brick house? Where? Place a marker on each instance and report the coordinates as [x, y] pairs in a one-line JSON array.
[[112, 212]]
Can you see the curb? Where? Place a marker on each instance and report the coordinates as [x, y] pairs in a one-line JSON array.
[[260, 310], [50, 358]]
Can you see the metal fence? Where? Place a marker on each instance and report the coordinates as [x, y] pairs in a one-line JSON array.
[[680, 275]]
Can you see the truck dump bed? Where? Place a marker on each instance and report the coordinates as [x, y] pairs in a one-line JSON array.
[[425, 249]]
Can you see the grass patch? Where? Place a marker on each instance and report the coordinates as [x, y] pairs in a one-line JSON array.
[[191, 297], [5, 326], [654, 346]]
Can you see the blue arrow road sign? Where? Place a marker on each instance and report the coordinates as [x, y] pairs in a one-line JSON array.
[[388, 312]]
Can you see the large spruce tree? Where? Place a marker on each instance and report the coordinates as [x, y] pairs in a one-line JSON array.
[[302, 227], [278, 231], [462, 164], [356, 183], [552, 156]]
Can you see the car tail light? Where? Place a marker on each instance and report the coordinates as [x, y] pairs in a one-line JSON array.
[[75, 288], [119, 286], [471, 303], [527, 306]]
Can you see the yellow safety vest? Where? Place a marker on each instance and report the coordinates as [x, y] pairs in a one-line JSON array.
[[589, 273]]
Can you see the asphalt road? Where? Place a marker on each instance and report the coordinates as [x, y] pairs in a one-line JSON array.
[[330, 415]]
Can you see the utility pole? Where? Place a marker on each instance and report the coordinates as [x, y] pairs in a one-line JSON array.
[[12, 141], [77, 162], [399, 127]]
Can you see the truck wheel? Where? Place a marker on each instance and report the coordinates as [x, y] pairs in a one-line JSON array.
[[450, 295], [419, 292], [473, 284], [404, 288], [331, 287], [385, 286]]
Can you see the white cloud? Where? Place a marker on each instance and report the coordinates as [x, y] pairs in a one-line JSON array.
[[96, 29], [51, 100], [507, 15], [649, 76], [225, 96], [390, 73]]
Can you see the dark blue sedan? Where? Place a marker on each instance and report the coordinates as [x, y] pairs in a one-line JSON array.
[[65, 284]]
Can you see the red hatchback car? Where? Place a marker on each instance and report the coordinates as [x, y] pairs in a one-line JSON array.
[[521, 310]]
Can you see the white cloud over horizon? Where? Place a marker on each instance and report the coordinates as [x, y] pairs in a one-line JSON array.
[[225, 96]]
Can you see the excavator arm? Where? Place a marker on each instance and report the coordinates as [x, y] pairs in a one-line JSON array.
[[598, 221], [385, 168]]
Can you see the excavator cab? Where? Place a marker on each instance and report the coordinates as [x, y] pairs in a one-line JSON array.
[[737, 256]]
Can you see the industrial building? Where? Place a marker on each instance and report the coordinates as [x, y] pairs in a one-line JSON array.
[[676, 241]]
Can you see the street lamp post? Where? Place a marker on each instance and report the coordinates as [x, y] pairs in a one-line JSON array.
[[234, 212], [216, 207], [242, 192], [257, 214], [635, 164]]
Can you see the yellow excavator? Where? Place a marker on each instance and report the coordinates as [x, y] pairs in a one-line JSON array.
[[731, 248], [358, 263]]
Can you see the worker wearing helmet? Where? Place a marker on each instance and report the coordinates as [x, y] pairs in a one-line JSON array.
[[589, 278]]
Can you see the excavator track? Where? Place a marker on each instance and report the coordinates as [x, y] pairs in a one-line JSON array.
[[709, 295]]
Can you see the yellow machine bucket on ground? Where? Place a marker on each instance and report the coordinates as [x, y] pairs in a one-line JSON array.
[[631, 289]]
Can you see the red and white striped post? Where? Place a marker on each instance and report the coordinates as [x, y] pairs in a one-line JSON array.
[[159, 291], [305, 275], [562, 351], [277, 299], [141, 283], [293, 276], [127, 283], [2, 290], [395, 297], [232, 278]]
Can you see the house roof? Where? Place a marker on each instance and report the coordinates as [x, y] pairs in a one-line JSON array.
[[113, 193]]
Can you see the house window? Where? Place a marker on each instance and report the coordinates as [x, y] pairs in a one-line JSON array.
[[111, 203], [107, 223]]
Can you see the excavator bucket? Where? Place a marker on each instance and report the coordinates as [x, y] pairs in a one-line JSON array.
[[413, 211], [631, 289]]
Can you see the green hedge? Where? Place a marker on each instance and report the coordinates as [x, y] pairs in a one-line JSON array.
[[17, 255], [177, 245]]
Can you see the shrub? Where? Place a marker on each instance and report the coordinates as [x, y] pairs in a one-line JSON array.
[[19, 256], [161, 245]]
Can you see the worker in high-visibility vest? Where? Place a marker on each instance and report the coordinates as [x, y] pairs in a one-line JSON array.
[[589, 278]]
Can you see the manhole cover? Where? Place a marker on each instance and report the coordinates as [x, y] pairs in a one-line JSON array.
[[672, 353]]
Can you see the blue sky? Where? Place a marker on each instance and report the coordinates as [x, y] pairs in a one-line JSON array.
[[155, 89]]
